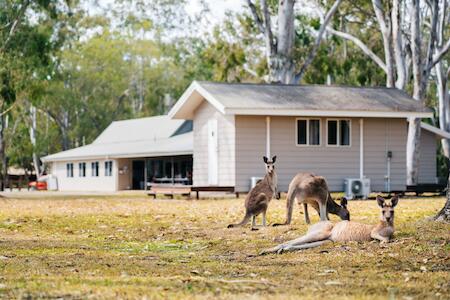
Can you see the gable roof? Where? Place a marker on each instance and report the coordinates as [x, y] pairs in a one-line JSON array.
[[144, 137], [298, 100]]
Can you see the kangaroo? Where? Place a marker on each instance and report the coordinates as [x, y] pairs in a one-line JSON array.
[[310, 189], [344, 231], [260, 195]]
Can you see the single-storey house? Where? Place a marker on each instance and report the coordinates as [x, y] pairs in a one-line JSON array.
[[335, 131], [128, 154], [217, 134]]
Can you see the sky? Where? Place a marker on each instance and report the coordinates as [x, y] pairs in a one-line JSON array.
[[218, 7]]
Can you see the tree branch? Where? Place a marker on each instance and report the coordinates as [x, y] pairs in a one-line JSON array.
[[440, 54], [268, 27], [15, 24], [433, 39], [361, 45], [318, 40], [256, 17]]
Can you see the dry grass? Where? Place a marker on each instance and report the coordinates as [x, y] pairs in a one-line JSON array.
[[105, 247]]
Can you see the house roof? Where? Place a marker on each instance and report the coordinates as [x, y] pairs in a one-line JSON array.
[[437, 131], [144, 137], [298, 100]]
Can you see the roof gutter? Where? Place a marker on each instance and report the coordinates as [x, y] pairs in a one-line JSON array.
[[138, 155], [327, 113]]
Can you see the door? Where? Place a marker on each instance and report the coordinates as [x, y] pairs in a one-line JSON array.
[[138, 174], [213, 150]]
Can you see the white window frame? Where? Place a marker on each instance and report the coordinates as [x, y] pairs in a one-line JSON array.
[[69, 170], [79, 169], [108, 162], [307, 132], [92, 169], [338, 133]]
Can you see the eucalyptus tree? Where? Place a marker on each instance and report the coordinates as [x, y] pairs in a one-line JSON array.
[[279, 37], [26, 39]]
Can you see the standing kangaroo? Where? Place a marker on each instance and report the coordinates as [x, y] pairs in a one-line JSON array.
[[344, 231], [310, 189], [260, 195]]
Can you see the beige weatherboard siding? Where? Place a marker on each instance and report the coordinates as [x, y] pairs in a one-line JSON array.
[[427, 162], [333, 162], [226, 146]]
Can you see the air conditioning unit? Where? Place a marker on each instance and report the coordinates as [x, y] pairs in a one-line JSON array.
[[357, 188], [254, 181]]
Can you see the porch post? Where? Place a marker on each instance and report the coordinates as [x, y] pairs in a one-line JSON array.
[[361, 148], [172, 170], [268, 137]]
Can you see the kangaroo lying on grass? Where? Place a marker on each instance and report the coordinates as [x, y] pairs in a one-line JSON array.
[[260, 195], [310, 189], [344, 231]]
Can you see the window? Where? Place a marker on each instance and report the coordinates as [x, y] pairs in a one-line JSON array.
[[69, 168], [338, 132], [82, 169], [108, 168], [94, 169], [308, 132]]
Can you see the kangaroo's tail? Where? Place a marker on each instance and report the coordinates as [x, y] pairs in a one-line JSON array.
[[243, 222]]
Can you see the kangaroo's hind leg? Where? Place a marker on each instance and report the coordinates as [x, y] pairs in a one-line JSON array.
[[305, 207], [304, 246], [323, 211], [264, 218], [254, 223], [318, 232]]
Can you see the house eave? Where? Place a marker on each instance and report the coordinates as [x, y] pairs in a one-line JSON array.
[[327, 113], [117, 156]]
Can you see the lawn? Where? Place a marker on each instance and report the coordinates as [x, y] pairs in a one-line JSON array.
[[134, 247]]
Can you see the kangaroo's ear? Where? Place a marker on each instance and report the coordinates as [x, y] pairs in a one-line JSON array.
[[274, 159], [380, 201], [394, 200], [344, 202], [265, 159]]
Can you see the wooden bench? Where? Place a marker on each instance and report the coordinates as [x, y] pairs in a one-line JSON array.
[[169, 191], [198, 189]]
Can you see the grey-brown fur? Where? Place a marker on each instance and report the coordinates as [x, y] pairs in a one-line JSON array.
[[310, 189], [344, 231], [258, 198]]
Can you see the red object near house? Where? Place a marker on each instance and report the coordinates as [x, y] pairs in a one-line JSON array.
[[38, 185]]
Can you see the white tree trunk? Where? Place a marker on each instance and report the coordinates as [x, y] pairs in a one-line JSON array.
[[400, 60], [443, 104], [413, 142], [413, 151], [385, 29], [33, 130], [281, 63]]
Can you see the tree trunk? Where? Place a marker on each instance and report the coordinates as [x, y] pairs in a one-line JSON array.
[[3, 160], [413, 142], [444, 214], [413, 151], [33, 129], [385, 28], [281, 63], [400, 61], [444, 105]]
